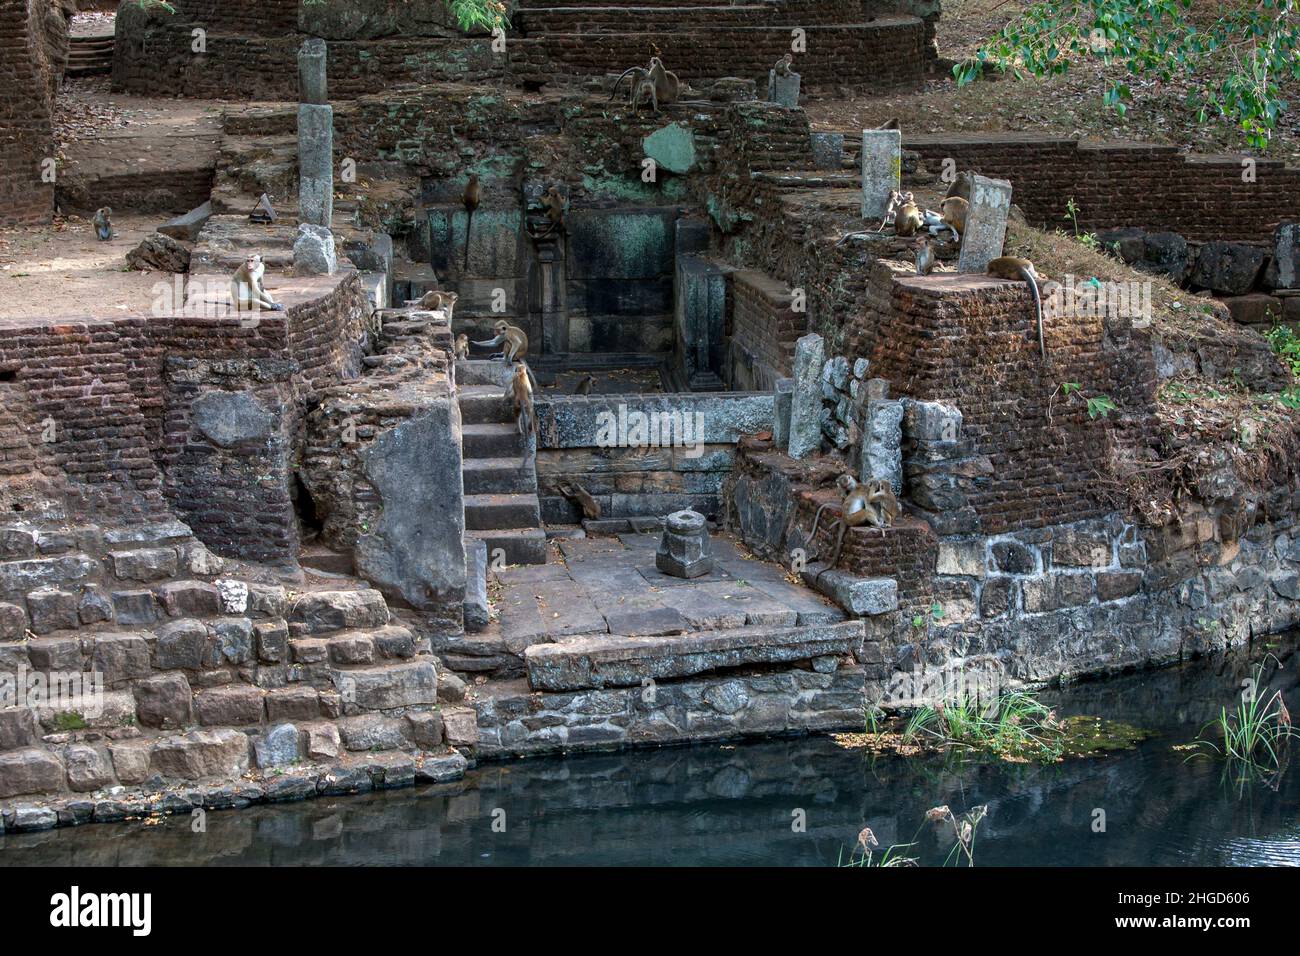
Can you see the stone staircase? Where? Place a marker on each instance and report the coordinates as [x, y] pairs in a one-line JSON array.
[[89, 56], [209, 670], [501, 504]]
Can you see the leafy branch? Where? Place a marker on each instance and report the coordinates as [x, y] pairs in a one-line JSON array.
[[1158, 38]]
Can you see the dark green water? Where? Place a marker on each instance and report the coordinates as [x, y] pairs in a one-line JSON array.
[[735, 804]]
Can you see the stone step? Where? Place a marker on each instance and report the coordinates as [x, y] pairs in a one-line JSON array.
[[483, 404], [494, 512], [498, 476], [320, 558], [491, 440], [583, 663], [324, 611], [521, 545]]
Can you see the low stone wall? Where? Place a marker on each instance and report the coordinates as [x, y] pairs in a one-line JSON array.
[[764, 328], [616, 447]]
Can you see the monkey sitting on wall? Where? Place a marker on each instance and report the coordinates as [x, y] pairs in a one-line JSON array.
[[246, 289], [855, 510], [521, 400], [1013, 267], [462, 346], [434, 301]]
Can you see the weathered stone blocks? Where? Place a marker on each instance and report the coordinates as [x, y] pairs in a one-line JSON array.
[[201, 753], [324, 611], [29, 771], [163, 701], [382, 688]]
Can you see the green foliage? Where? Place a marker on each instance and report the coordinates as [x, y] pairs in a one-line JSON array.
[[1099, 406], [70, 720], [1286, 344], [1015, 725], [1158, 40], [470, 14]]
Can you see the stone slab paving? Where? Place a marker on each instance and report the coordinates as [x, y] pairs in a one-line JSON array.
[[610, 585]]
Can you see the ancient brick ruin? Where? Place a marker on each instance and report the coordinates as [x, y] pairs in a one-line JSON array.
[[310, 551]]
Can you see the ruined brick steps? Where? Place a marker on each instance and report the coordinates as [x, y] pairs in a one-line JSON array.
[[604, 18], [491, 440], [88, 56], [483, 405], [520, 545], [498, 476], [320, 558], [494, 512]]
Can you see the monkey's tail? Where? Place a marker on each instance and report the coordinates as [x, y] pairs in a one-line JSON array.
[[1038, 309], [614, 92], [469, 225]]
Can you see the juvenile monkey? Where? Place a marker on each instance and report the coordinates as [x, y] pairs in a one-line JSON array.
[[644, 92], [103, 224], [246, 289], [462, 346], [512, 340], [433, 301], [896, 199], [521, 400], [954, 214], [472, 196], [1013, 267], [924, 257], [584, 387], [783, 65], [907, 220], [884, 505]]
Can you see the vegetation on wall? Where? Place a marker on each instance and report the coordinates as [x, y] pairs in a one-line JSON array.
[[470, 14]]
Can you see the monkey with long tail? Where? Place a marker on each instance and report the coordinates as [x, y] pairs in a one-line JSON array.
[[471, 200]]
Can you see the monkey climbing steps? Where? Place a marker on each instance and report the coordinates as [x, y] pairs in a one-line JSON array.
[[498, 467]]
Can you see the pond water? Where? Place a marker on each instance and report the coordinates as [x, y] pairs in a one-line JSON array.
[[740, 804]]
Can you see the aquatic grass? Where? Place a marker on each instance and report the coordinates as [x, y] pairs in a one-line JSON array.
[[1253, 734], [963, 831], [1014, 725]]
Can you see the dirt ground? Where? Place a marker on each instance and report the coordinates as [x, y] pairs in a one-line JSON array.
[[62, 271]]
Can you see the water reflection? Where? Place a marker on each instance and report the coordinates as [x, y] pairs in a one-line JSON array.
[[738, 804]]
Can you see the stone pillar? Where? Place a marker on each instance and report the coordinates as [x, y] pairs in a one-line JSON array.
[[828, 150], [700, 295], [312, 86], [684, 548], [783, 90], [315, 138], [882, 442], [1284, 270], [986, 223], [805, 435], [882, 169], [781, 413]]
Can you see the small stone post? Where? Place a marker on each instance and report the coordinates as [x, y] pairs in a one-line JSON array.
[[1286, 255], [986, 223], [828, 150], [315, 138], [805, 434], [783, 90], [882, 169], [684, 548]]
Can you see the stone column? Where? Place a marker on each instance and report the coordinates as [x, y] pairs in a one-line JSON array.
[[805, 434], [315, 138], [986, 223], [781, 413], [1284, 271], [882, 169], [700, 293]]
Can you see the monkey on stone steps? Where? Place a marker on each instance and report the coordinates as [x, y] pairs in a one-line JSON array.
[[783, 65], [462, 346], [855, 510], [960, 187], [924, 257], [512, 340], [907, 220], [1013, 267], [521, 400], [434, 301], [584, 387]]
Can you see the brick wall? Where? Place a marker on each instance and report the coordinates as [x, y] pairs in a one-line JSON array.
[[97, 413], [1126, 184], [33, 46], [763, 332]]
